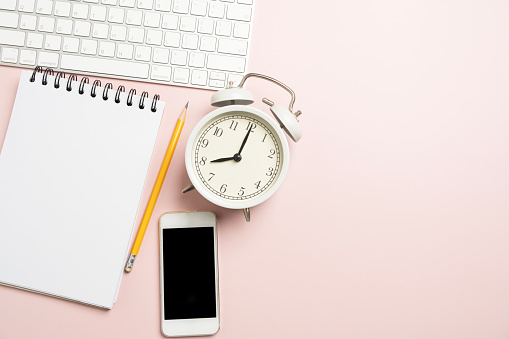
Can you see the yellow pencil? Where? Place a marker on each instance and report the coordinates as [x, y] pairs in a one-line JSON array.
[[155, 191]]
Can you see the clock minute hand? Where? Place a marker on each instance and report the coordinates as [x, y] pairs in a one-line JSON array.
[[245, 139], [222, 159]]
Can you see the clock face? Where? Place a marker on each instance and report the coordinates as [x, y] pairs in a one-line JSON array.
[[237, 156]]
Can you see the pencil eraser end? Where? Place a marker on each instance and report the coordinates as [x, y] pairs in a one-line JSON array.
[[130, 262]]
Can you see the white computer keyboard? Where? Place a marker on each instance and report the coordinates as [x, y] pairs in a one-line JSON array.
[[193, 43]]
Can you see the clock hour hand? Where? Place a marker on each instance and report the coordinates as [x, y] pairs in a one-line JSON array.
[[237, 157], [223, 159], [245, 139]]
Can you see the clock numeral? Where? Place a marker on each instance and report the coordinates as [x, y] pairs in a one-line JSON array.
[[263, 140], [203, 161], [204, 143], [222, 189], [211, 176], [251, 126], [272, 152], [233, 125], [257, 184], [218, 131], [270, 172], [241, 191]]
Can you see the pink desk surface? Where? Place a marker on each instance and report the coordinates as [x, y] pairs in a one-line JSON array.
[[393, 221]]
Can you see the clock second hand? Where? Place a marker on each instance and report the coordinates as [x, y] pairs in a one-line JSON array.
[[237, 157]]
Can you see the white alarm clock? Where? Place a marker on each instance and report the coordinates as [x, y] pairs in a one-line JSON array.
[[237, 156]]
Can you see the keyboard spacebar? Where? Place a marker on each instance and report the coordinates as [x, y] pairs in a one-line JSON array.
[[104, 66]]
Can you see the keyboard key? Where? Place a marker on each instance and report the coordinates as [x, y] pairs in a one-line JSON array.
[[162, 5], [199, 77], [88, 46], [241, 30], [161, 55], [81, 28], [80, 11], [9, 19], [28, 22], [118, 33], [134, 17], [181, 6], [238, 12], [205, 26], [34, 40], [190, 41], [196, 59], [26, 6], [216, 10], [245, 2], [199, 8], [27, 57], [154, 37], [127, 3], [104, 66], [170, 21], [64, 26], [106, 49], [116, 15], [231, 46], [188, 24], [47, 59], [226, 63], [62, 8], [10, 55], [145, 4], [217, 76], [172, 39], [161, 73], [152, 19], [100, 31], [216, 83], [125, 51], [98, 13], [142, 53], [181, 75], [9, 5], [208, 43], [178, 57], [71, 45], [44, 6], [224, 28], [52, 42], [136, 35], [109, 2], [46, 24], [234, 79]]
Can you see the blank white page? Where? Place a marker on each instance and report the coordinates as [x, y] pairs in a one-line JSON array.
[[72, 172]]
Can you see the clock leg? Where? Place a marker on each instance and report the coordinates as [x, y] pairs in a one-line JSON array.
[[188, 188], [247, 214]]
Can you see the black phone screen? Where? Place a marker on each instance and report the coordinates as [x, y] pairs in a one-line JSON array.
[[189, 273]]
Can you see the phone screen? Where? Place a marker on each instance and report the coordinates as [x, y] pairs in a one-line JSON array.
[[189, 273]]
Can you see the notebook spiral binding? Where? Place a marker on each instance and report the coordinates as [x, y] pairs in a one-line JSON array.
[[95, 84]]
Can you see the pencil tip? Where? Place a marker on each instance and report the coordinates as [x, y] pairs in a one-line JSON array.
[[187, 104]]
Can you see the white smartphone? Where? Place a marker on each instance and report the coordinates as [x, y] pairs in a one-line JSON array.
[[189, 274]]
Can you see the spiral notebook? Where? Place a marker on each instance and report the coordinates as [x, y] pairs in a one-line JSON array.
[[72, 171]]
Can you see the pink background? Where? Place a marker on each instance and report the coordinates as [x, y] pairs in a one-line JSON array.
[[393, 221]]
